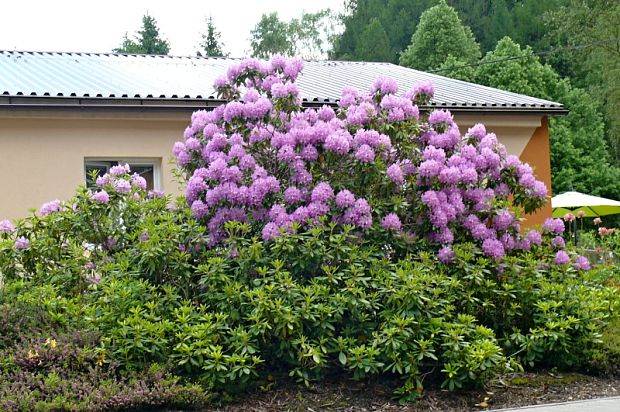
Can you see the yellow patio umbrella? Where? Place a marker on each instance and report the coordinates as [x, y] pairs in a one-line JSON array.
[[592, 206]]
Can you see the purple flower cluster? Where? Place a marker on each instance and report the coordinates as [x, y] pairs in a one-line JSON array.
[[561, 258], [22, 243], [100, 197], [391, 222], [554, 226], [384, 85], [445, 255], [6, 226], [121, 186], [118, 180], [50, 207], [119, 170], [138, 181], [261, 158], [421, 93], [152, 194], [582, 263]]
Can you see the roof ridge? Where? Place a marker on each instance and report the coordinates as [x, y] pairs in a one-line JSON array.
[[176, 56], [112, 54]]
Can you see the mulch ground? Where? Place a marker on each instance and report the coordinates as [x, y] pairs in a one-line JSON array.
[[512, 390]]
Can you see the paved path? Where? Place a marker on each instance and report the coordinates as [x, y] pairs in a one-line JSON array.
[[592, 405]]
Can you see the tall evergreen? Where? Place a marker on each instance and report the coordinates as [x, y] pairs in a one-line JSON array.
[[146, 41], [211, 44], [440, 34], [374, 44]]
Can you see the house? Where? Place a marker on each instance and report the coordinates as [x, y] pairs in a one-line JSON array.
[[65, 114]]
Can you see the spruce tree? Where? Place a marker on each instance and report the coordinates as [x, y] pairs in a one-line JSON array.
[[146, 41], [211, 44]]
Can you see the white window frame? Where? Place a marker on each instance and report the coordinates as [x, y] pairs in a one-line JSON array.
[[135, 161]]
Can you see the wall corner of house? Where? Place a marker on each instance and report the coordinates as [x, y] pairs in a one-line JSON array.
[[538, 154]]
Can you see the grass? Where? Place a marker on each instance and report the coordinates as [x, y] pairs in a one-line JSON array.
[[549, 379], [611, 337]]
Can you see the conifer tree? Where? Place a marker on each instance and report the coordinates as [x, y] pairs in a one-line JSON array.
[[146, 41], [211, 44], [440, 34]]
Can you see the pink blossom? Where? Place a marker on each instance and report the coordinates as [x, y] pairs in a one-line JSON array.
[[582, 263], [365, 154], [122, 186], [561, 258], [22, 243], [395, 174], [6, 226], [446, 255], [138, 181], [569, 217], [100, 197], [155, 193], [553, 226], [119, 170], [50, 207], [391, 222]]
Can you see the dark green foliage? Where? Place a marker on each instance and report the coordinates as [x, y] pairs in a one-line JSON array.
[[397, 17], [47, 364], [440, 34], [211, 45], [523, 75], [490, 20], [596, 67], [374, 45], [159, 320], [147, 40], [580, 155], [457, 69], [27, 310], [522, 20]]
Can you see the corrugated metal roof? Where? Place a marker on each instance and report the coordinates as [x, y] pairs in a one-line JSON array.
[[121, 78]]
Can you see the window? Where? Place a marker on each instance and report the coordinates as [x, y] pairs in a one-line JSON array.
[[149, 169]]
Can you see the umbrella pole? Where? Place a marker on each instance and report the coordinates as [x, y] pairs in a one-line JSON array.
[[575, 231]]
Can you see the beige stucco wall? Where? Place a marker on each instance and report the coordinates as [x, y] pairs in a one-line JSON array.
[[514, 131], [43, 153], [42, 156], [526, 136]]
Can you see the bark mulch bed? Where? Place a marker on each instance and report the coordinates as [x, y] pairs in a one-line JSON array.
[[514, 390]]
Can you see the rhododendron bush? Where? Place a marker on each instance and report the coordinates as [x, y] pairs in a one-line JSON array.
[[374, 163], [365, 239]]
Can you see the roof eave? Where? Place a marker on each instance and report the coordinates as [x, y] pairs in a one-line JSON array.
[[30, 102], [555, 111]]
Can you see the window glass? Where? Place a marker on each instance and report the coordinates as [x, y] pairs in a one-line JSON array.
[[146, 169]]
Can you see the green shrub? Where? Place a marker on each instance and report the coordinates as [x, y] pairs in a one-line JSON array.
[[413, 276]]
